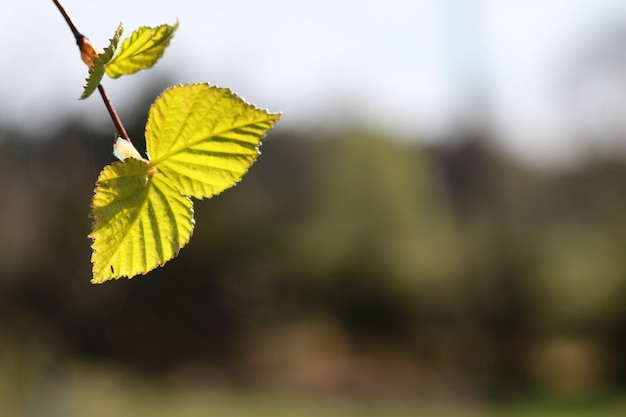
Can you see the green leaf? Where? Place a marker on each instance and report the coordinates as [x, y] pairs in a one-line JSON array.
[[140, 220], [204, 138], [96, 72], [142, 50]]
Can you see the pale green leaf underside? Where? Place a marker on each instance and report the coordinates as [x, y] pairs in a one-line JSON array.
[[96, 72], [204, 138], [141, 50], [141, 221]]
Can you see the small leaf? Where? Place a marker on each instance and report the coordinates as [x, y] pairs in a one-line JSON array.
[[142, 50], [96, 71], [204, 138], [140, 220]]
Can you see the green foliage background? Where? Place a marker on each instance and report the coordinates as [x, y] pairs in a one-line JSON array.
[[346, 262]]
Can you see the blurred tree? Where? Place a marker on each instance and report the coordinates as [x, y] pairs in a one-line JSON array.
[[591, 89], [457, 259]]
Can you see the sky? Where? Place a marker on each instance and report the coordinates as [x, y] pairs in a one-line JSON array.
[[418, 69]]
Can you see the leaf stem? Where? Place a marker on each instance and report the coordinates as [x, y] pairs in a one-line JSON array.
[[79, 37], [116, 120], [83, 45]]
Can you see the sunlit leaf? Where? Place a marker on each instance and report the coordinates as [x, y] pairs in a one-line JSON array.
[[140, 220], [141, 50], [96, 71], [204, 138]]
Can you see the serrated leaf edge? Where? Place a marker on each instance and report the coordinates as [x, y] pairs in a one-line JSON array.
[[98, 187], [164, 40], [224, 91], [272, 118], [96, 72]]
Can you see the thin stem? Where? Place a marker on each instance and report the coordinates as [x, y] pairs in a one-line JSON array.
[[81, 41], [116, 120], [69, 21]]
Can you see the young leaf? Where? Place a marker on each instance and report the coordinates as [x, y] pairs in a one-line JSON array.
[[96, 71], [142, 50], [204, 138], [140, 221]]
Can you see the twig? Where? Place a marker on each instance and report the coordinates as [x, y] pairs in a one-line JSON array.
[[87, 51], [69, 21], [116, 120]]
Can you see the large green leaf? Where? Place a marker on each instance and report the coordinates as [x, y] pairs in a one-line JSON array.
[[140, 220], [142, 50], [204, 138], [96, 71]]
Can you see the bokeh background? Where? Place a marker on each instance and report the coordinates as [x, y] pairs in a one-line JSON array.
[[436, 227]]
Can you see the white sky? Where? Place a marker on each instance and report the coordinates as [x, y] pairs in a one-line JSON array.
[[409, 66]]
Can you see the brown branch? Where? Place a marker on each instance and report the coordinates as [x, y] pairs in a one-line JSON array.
[[116, 120], [69, 21], [87, 53]]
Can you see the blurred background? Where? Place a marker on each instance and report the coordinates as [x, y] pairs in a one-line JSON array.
[[436, 227]]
